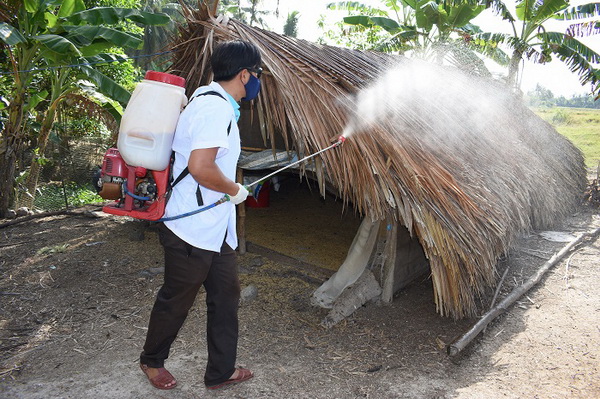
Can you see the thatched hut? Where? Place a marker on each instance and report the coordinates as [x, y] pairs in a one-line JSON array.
[[452, 165]]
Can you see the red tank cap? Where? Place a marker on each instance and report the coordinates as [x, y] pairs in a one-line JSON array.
[[165, 78]]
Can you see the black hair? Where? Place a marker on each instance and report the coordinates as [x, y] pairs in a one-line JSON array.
[[231, 57]]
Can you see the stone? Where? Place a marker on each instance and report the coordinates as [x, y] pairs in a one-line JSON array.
[[23, 211], [248, 294], [152, 272], [257, 262]]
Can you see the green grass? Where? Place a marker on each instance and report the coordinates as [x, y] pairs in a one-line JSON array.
[[580, 125]]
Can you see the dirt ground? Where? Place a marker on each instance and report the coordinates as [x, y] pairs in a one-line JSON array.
[[76, 292]]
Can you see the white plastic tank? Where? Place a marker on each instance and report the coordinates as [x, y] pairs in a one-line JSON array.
[[149, 121]]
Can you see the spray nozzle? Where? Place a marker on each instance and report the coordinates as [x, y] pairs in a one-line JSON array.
[[340, 140]]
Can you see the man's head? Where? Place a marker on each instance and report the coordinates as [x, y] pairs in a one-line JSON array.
[[230, 58]]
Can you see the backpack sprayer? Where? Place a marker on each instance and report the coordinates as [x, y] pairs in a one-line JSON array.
[[136, 174], [145, 137]]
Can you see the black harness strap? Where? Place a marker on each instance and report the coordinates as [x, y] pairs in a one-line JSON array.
[[186, 171]]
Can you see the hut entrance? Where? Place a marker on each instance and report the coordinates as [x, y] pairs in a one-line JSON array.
[[299, 223], [364, 259]]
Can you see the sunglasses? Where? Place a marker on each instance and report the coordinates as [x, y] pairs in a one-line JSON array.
[[257, 71]]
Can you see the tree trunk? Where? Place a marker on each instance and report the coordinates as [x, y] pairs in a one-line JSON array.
[[34, 171], [11, 141], [513, 69], [10, 146]]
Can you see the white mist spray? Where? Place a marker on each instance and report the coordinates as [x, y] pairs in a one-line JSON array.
[[442, 104], [471, 127]]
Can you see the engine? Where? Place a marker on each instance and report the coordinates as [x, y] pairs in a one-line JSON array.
[[139, 192]]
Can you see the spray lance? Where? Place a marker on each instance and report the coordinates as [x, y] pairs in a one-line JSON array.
[[340, 140]]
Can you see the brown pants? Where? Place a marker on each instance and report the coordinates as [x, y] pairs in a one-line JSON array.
[[187, 268]]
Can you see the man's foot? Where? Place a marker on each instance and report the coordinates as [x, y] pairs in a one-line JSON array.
[[239, 375], [160, 378]]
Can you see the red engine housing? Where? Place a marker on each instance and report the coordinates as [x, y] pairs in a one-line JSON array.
[[125, 183]]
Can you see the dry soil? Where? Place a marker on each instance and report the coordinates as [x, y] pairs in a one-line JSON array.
[[76, 292]]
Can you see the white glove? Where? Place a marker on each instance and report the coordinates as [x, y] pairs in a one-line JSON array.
[[241, 195]]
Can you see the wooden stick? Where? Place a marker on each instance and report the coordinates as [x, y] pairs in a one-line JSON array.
[[499, 286], [459, 344], [15, 244], [257, 149], [241, 215], [45, 214], [23, 353], [567, 269], [3, 373]]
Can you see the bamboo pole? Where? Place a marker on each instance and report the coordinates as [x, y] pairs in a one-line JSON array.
[[459, 344]]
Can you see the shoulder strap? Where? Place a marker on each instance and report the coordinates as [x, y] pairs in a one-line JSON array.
[[186, 171], [210, 93], [183, 174]]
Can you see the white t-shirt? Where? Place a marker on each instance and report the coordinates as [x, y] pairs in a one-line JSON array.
[[203, 124]]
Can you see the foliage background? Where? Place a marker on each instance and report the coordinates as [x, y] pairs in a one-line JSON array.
[[580, 125], [79, 138]]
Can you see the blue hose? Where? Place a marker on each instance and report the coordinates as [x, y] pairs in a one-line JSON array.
[[137, 197], [206, 208]]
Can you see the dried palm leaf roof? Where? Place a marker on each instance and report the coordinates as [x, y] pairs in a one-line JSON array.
[[465, 179]]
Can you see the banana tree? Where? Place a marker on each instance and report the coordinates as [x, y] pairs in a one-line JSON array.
[[64, 37], [60, 86], [21, 58], [531, 40], [429, 28]]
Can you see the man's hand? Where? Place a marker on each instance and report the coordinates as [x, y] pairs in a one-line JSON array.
[[241, 195]]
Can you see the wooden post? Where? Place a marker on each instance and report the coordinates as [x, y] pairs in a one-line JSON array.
[[241, 215], [389, 259]]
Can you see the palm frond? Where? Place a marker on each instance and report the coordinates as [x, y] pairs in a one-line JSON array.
[[493, 39], [355, 6], [578, 57], [583, 29], [501, 9], [557, 38], [541, 10], [397, 43], [589, 10], [491, 51]]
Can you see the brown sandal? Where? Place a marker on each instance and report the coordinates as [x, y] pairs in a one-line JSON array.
[[162, 379], [243, 375]]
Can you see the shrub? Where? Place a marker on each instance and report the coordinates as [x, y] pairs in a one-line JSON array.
[[562, 117]]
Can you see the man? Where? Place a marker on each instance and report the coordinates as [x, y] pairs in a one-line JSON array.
[[199, 249]]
